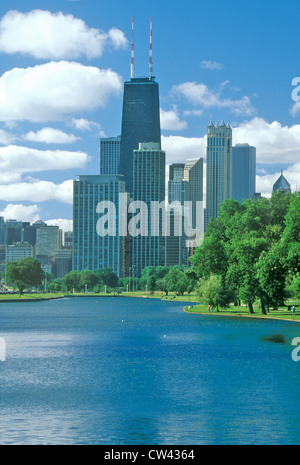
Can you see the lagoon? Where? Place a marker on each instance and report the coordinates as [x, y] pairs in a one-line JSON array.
[[121, 370]]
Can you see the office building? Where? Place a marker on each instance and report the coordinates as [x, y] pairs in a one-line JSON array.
[[15, 252], [94, 249], [218, 168], [13, 232], [48, 240], [62, 262], [149, 163], [193, 174], [243, 172], [110, 155], [140, 122], [282, 185]]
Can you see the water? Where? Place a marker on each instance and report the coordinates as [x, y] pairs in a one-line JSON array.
[[141, 371]]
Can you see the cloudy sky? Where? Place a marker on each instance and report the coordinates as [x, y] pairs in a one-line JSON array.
[[62, 68]]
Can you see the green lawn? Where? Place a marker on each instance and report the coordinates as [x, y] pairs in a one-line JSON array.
[[29, 296]]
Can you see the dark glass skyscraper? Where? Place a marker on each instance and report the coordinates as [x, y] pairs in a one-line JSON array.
[[140, 122]]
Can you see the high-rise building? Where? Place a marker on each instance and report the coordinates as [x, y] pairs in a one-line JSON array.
[[110, 155], [93, 249], [193, 174], [48, 240], [282, 185], [13, 232], [218, 168], [149, 164], [243, 171], [140, 122]]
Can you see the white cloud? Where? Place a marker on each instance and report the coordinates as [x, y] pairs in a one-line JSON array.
[[171, 121], [50, 91], [64, 224], [200, 94], [208, 64], [83, 124], [50, 136], [295, 110], [274, 143], [6, 137], [178, 148], [16, 160], [264, 183], [38, 191], [21, 212], [46, 35]]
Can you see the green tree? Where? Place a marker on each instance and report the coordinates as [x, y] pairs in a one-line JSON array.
[[72, 281], [24, 273], [212, 292], [108, 277], [88, 280]]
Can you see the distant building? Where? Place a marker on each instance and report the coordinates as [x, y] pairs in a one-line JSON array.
[[13, 232], [48, 240], [218, 168], [68, 239], [92, 251], [282, 185], [62, 262], [243, 171], [19, 250], [110, 155]]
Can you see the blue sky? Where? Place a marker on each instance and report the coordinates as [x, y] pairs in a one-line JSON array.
[[62, 68]]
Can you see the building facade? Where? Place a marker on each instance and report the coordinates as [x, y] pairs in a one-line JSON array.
[[94, 249], [140, 122], [149, 164], [48, 240], [218, 168], [110, 155], [243, 172]]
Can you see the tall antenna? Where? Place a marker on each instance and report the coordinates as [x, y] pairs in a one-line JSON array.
[[150, 51], [132, 52]]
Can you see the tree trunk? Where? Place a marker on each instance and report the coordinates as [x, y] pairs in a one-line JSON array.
[[263, 308], [250, 307]]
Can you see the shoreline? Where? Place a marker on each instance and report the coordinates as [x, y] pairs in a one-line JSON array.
[[256, 316]]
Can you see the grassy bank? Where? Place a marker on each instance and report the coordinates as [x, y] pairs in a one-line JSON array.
[[280, 314], [29, 297]]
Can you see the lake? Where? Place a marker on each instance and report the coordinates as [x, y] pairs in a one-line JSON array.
[[118, 370]]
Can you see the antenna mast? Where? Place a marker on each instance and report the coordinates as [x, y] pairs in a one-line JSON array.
[[132, 52], [150, 52]]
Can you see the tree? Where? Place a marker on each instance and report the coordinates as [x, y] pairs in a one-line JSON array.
[[72, 281], [88, 280], [26, 272], [108, 277], [212, 292]]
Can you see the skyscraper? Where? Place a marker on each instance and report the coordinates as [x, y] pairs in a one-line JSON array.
[[218, 168], [149, 163], [110, 155], [140, 116], [193, 174], [140, 122], [243, 171], [91, 250], [282, 185]]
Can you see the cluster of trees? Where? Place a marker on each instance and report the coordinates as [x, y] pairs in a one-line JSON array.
[[167, 279], [251, 252]]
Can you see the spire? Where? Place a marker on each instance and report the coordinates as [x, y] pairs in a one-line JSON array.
[[150, 52], [132, 51]]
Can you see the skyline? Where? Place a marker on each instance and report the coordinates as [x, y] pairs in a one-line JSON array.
[[61, 91]]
